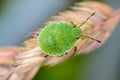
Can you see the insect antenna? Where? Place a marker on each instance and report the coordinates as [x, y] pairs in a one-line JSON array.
[[84, 23], [87, 19], [91, 38]]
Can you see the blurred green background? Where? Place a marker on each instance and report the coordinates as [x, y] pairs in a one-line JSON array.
[[19, 17]]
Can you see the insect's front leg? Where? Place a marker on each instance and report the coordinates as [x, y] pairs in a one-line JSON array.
[[73, 24]]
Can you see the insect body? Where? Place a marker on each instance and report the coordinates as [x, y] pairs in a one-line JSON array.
[[58, 38]]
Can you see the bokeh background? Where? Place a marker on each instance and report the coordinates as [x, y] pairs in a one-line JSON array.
[[19, 17]]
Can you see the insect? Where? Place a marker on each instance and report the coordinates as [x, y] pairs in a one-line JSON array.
[[57, 39]]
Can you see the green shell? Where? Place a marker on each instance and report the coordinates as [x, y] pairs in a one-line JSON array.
[[58, 38]]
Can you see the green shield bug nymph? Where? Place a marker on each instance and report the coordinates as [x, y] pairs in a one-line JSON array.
[[58, 38]]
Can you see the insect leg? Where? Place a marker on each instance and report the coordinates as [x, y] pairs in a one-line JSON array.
[[73, 24], [75, 49], [45, 56]]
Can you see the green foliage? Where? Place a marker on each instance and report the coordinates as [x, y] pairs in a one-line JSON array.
[[58, 38]]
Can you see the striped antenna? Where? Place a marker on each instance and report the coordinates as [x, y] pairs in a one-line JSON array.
[[92, 38], [87, 19]]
